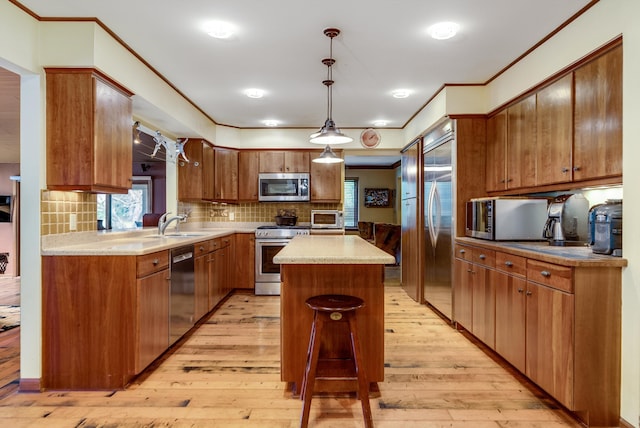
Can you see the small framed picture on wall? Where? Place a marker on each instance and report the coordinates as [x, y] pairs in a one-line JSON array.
[[377, 198]]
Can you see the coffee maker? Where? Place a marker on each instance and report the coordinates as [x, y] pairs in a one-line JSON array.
[[567, 220]]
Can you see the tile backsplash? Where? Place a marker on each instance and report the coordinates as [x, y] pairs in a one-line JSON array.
[[56, 209]]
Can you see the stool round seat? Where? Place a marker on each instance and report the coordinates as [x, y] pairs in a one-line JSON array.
[[334, 303]]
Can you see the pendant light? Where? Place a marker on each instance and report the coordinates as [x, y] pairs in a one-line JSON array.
[[328, 156], [329, 133]]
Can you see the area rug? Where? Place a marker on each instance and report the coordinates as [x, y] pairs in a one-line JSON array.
[[9, 317]]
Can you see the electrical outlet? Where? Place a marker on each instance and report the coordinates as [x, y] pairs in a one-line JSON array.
[[232, 216], [73, 221]]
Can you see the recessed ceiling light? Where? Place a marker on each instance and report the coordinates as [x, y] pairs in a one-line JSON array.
[[443, 30], [400, 93], [380, 123], [219, 29], [254, 93], [270, 123]]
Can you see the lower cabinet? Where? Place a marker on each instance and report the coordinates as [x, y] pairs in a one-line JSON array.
[[201, 278], [560, 325], [152, 335], [242, 272], [218, 262]]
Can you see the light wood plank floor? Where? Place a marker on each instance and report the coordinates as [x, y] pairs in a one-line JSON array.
[[226, 374]]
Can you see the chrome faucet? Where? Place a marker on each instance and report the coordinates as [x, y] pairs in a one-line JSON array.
[[163, 223]]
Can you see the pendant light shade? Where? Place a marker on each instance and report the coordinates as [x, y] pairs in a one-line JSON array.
[[328, 156], [329, 133]]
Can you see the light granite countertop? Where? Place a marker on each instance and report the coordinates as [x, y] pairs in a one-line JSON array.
[[135, 242], [333, 249]]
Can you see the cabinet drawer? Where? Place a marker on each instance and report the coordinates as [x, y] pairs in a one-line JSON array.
[[204, 247], [555, 276], [509, 263], [484, 257], [225, 241], [464, 253], [150, 263]]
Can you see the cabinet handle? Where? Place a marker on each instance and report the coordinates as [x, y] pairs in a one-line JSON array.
[[576, 168], [503, 181], [462, 251], [508, 263], [155, 262], [469, 270], [565, 170], [509, 180], [545, 273], [482, 257], [528, 293], [520, 290], [201, 248]]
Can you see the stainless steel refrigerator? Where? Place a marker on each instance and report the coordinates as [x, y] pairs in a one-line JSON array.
[[438, 223]]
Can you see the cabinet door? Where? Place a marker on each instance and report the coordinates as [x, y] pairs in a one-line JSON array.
[[248, 165], [483, 297], [554, 132], [152, 333], [272, 161], [226, 175], [496, 152], [208, 169], [411, 282], [598, 117], [201, 278], [325, 181], [550, 341], [296, 161], [218, 276], [243, 263], [190, 173], [409, 171], [463, 294], [510, 318], [521, 143]]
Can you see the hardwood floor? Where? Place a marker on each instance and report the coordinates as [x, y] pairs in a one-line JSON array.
[[227, 374]]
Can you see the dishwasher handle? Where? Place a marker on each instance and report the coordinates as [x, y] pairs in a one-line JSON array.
[[182, 257]]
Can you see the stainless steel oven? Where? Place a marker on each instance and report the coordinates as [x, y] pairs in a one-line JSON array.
[[269, 241]]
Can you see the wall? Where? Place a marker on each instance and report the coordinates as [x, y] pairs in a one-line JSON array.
[[375, 179], [7, 232]]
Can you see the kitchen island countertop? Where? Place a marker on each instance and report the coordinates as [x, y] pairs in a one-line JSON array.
[[334, 249]]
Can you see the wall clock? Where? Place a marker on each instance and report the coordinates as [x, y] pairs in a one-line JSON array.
[[370, 138]]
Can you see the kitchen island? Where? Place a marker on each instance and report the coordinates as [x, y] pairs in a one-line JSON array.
[[314, 265]]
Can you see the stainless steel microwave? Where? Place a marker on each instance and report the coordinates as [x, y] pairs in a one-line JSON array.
[[286, 187], [506, 219]]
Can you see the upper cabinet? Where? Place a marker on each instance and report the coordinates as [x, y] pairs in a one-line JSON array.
[[248, 167], [325, 179], [190, 174], [226, 175], [409, 170], [568, 131], [210, 175], [89, 132], [598, 117], [284, 161]]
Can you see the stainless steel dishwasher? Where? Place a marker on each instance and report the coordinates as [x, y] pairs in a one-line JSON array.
[[182, 298]]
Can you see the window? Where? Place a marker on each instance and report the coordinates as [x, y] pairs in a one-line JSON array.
[[125, 211], [350, 203]]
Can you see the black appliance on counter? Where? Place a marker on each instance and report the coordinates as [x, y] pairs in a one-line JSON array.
[[605, 224]]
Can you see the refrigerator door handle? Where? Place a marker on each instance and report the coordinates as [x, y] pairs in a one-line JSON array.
[[432, 235], [438, 214]]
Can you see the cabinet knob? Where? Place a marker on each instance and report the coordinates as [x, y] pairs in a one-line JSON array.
[[520, 290], [528, 293], [565, 170], [482, 257], [469, 270], [155, 262], [545, 273], [201, 248], [462, 251], [508, 263], [576, 168]]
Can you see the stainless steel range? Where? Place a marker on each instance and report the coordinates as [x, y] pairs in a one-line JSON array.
[[269, 241]]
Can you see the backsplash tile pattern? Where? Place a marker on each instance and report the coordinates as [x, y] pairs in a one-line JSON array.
[[249, 212], [56, 207]]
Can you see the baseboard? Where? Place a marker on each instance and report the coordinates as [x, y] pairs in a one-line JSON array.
[[625, 424], [30, 385]]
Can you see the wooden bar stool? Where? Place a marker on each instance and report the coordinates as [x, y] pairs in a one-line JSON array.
[[331, 308]]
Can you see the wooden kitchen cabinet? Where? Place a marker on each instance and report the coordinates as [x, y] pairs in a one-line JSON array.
[[558, 324], [226, 175], [325, 180], [521, 144], [496, 165], [243, 261], [153, 318], [410, 250], [218, 262], [208, 168], [284, 161], [248, 167], [554, 132], [88, 132], [410, 173], [191, 174], [598, 117], [201, 277]]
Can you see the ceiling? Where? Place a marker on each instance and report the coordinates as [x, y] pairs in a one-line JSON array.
[[279, 46]]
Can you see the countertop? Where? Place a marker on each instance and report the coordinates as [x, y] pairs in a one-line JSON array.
[[332, 249], [568, 256], [134, 242]]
